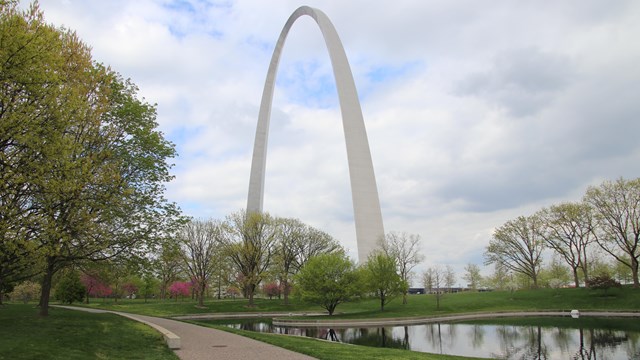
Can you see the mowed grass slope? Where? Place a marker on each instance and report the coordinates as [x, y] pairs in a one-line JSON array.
[[417, 306], [67, 334]]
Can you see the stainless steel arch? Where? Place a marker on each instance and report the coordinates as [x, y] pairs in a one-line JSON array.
[[364, 192]]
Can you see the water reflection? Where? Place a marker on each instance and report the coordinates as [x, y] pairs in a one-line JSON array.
[[490, 341]]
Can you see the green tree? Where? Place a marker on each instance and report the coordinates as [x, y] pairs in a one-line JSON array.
[[328, 280], [472, 276], [568, 230], [381, 277], [617, 207], [296, 243], [69, 288], [250, 239], [517, 246], [88, 165], [405, 249]]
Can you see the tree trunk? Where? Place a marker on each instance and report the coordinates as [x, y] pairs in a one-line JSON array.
[[381, 301], [286, 291], [404, 298], [46, 287], [585, 272], [634, 272], [201, 294], [251, 290], [1, 291], [576, 280]]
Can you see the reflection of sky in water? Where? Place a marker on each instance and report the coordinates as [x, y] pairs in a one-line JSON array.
[[488, 341], [520, 342]]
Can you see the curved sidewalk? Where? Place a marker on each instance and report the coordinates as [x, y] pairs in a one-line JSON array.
[[199, 342]]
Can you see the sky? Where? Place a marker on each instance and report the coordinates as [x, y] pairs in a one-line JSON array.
[[476, 112]]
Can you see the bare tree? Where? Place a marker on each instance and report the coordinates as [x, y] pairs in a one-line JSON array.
[[290, 235], [168, 265], [405, 249], [449, 277], [201, 249], [568, 229], [434, 280], [249, 240], [517, 246], [617, 207]]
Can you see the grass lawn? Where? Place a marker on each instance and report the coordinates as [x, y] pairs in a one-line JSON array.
[[67, 334], [418, 305]]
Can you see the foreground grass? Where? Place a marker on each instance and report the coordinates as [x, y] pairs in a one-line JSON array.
[[67, 334], [334, 351]]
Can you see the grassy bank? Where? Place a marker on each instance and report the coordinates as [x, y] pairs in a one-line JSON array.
[[66, 334], [418, 305]]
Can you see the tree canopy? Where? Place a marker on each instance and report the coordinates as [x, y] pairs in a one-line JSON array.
[[83, 165]]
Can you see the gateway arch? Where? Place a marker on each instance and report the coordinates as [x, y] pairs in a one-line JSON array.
[[364, 192]]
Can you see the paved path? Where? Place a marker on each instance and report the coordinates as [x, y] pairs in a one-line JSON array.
[[199, 342]]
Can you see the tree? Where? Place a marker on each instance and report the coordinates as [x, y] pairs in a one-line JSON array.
[[180, 288], [201, 250], [291, 233], [69, 288], [328, 280], [272, 289], [405, 249], [517, 246], [449, 277], [88, 165], [381, 277], [568, 229], [472, 276], [95, 286], [167, 265], [249, 241], [617, 207], [296, 243], [25, 291], [434, 279]]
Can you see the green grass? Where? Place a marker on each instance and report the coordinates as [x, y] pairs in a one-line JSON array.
[[418, 305], [334, 351], [67, 334], [166, 308]]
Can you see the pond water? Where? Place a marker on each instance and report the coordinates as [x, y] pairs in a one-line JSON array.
[[607, 339]]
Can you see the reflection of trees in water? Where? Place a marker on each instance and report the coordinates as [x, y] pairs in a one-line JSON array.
[[521, 342], [380, 337], [562, 338], [476, 334]]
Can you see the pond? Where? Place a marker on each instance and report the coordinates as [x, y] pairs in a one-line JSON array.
[[530, 338]]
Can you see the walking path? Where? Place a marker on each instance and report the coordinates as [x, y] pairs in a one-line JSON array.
[[199, 342]]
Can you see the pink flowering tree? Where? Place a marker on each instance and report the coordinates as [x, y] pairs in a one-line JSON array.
[[130, 289], [95, 287], [271, 289], [180, 288]]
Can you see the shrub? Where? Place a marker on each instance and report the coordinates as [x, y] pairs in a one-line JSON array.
[[70, 288], [603, 282], [25, 291]]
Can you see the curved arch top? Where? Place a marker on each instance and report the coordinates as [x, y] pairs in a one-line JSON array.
[[364, 192]]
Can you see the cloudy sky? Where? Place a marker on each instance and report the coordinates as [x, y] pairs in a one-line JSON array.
[[476, 112]]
